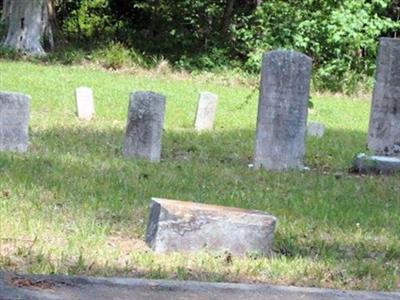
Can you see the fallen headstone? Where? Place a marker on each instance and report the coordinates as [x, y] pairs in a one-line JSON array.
[[14, 122], [315, 129], [282, 111], [145, 125], [206, 109], [186, 226], [376, 164], [384, 125], [84, 103]]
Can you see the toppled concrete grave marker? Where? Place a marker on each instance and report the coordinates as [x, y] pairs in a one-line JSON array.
[[145, 126], [84, 103], [206, 109], [14, 122], [376, 164], [282, 111], [315, 129], [187, 226]]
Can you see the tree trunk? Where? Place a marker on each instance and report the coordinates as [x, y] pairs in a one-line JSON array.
[[27, 22]]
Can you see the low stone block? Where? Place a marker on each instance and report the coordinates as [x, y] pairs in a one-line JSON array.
[[315, 129], [186, 226], [376, 164], [14, 122], [84, 103], [206, 110]]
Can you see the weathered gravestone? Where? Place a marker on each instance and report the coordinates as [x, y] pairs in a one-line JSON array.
[[186, 226], [14, 122], [315, 129], [145, 125], [206, 109], [84, 103], [384, 125], [282, 110]]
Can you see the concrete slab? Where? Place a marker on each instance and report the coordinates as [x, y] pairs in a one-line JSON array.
[[14, 287]]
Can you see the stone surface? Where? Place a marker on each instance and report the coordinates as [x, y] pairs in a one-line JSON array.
[[384, 125], [315, 129], [206, 110], [376, 164], [84, 103], [282, 110], [34, 287], [14, 122], [187, 226], [145, 126]]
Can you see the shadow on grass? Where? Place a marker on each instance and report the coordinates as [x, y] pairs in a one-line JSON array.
[[85, 171]]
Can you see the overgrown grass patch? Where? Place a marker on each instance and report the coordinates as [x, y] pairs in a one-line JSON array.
[[74, 205]]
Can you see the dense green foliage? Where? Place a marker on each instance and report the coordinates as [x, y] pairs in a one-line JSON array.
[[340, 35]]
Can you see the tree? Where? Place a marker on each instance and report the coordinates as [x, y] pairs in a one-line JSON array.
[[28, 25]]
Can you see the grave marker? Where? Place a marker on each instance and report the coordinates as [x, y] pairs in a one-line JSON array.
[[282, 110], [145, 125], [206, 110], [14, 122], [84, 103], [384, 125]]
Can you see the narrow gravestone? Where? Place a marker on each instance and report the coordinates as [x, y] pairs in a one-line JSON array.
[[185, 226], [206, 109], [84, 103], [145, 125], [384, 125], [315, 129], [14, 122], [282, 110]]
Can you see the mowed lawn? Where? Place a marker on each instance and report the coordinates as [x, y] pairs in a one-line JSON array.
[[74, 205]]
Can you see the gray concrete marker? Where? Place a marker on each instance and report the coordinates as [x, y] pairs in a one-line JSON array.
[[145, 126], [14, 122], [282, 111]]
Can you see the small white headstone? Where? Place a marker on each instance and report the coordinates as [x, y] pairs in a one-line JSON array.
[[315, 129], [84, 103], [206, 109]]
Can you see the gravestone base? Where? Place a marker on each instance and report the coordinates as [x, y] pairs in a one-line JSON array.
[[376, 164], [14, 122], [187, 227]]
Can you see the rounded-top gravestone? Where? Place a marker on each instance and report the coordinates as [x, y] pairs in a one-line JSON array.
[[14, 122]]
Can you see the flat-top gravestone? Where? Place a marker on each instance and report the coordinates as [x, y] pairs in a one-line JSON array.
[[282, 110], [84, 103], [384, 125], [14, 122], [206, 109], [145, 125], [187, 226], [315, 129]]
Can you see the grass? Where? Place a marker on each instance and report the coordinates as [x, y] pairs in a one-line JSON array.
[[74, 205]]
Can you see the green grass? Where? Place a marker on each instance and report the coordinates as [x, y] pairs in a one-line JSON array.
[[74, 205]]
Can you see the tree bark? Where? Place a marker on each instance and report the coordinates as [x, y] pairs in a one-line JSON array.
[[27, 22]]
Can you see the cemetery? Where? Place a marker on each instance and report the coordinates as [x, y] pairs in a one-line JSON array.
[[170, 175]]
